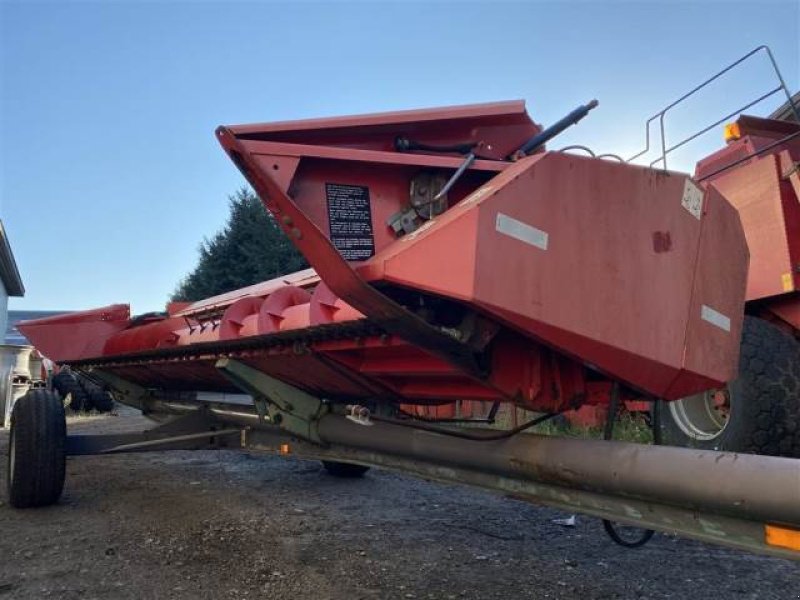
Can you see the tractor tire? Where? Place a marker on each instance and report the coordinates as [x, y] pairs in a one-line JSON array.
[[344, 470], [36, 455], [66, 384], [97, 397], [101, 400], [763, 402]]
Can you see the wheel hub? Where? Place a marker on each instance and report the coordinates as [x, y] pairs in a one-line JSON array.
[[702, 416]]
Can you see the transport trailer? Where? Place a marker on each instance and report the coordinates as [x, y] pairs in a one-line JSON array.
[[453, 259]]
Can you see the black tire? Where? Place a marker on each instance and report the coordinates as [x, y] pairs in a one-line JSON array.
[[87, 385], [66, 384], [346, 470], [625, 535], [763, 401], [101, 400], [97, 397], [36, 457]]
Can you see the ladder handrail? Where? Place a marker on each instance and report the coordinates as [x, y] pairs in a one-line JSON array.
[[662, 113]]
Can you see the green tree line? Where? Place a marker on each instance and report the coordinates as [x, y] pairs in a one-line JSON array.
[[250, 248]]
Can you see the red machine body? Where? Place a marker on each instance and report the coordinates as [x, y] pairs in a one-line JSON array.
[[765, 190], [535, 281]]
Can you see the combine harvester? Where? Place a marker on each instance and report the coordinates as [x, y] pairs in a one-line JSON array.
[[758, 411], [454, 259]]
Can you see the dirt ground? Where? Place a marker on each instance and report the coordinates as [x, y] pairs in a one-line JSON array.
[[235, 525]]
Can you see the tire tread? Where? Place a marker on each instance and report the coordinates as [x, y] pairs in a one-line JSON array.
[[39, 435], [767, 388]]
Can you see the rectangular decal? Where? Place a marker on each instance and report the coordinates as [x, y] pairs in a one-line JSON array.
[[715, 318], [521, 231], [692, 199], [350, 220], [786, 280]]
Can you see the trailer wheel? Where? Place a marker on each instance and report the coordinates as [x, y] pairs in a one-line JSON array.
[[346, 470], [101, 400], [36, 457], [66, 384], [758, 412]]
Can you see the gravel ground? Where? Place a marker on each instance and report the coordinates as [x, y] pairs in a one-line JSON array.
[[236, 525]]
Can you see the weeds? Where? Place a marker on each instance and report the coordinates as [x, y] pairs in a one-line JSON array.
[[628, 428]]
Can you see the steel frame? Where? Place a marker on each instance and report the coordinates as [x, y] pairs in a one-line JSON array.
[[720, 498]]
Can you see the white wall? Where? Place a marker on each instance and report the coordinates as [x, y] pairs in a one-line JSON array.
[[3, 312]]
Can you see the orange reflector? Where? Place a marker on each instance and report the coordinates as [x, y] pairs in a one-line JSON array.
[[284, 449], [782, 537], [732, 132]]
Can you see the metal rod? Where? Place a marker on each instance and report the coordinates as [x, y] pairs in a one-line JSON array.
[[404, 144], [220, 411], [714, 124], [686, 95], [738, 485], [753, 155], [470, 158], [549, 133], [167, 440], [789, 98], [715, 497], [661, 114], [716, 529]]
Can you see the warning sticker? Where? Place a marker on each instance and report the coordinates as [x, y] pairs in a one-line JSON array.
[[786, 280], [692, 199], [350, 220]]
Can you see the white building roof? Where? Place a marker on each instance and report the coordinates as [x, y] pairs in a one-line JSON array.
[[9, 274]]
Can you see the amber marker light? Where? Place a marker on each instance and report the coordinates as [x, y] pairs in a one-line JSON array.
[[732, 132], [782, 537]]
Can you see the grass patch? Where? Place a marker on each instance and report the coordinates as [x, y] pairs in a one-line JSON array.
[[628, 428]]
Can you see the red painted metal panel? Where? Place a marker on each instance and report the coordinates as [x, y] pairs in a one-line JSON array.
[[76, 335], [304, 279], [787, 308], [754, 190], [272, 313], [502, 127], [561, 265], [235, 322], [717, 300]]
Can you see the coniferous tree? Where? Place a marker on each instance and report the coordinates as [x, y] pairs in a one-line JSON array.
[[250, 248]]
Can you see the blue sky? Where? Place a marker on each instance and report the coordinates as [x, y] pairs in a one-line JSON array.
[[109, 172]]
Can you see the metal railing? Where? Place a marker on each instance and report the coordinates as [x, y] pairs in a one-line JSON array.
[[662, 114]]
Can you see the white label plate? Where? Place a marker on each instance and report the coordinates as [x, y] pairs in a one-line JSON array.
[[715, 318], [692, 199], [521, 231]]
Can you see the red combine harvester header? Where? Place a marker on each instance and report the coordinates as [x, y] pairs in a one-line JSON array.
[[528, 281], [455, 259]]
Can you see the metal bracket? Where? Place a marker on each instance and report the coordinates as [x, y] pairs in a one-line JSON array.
[[131, 394], [288, 407], [194, 431], [793, 168]]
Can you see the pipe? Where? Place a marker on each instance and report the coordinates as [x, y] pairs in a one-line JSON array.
[[752, 487], [221, 411], [745, 486], [549, 133]]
